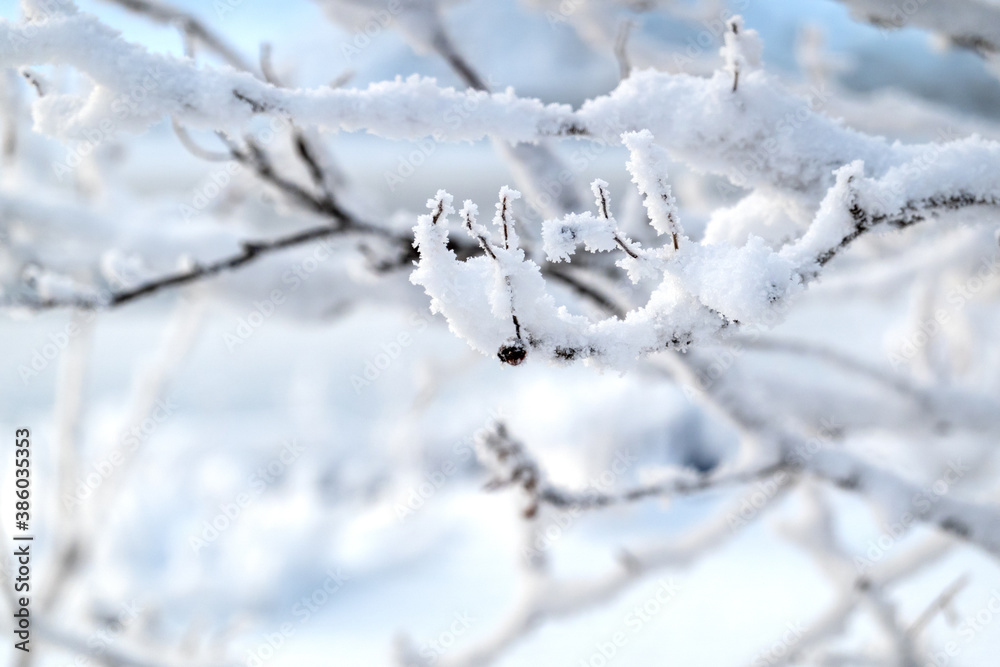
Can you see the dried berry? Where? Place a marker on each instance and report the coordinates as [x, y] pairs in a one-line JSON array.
[[512, 352]]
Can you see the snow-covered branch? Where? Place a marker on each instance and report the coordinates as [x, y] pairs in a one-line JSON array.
[[705, 290], [758, 135], [974, 522], [510, 464]]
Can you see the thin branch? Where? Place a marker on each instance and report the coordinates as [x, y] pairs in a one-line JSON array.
[[193, 27], [676, 487], [342, 223], [911, 213], [790, 346], [251, 250], [564, 273], [940, 603], [978, 524], [604, 210], [621, 49], [446, 49], [512, 464], [543, 597], [513, 351], [306, 149], [832, 622], [192, 146]]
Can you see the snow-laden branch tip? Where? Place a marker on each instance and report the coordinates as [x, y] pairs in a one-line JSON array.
[[742, 49], [705, 290]]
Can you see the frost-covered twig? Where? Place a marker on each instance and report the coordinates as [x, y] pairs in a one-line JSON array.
[[897, 383], [512, 465], [250, 251], [543, 597], [533, 163], [742, 49], [706, 290], [621, 49], [693, 116], [943, 408], [834, 620], [943, 602], [818, 536], [308, 148], [976, 523], [979, 524]]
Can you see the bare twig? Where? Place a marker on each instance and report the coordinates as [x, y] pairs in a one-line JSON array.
[[912, 212]]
